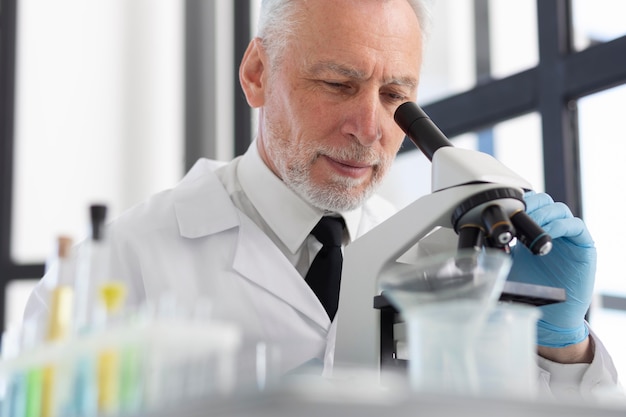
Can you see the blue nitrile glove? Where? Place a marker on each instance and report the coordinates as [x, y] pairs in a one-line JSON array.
[[571, 264]]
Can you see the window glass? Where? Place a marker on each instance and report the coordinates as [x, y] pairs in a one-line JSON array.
[[98, 113], [448, 63], [450, 58], [513, 38], [597, 21], [602, 150], [518, 145]]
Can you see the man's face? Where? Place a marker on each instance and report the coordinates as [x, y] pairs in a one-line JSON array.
[[326, 123]]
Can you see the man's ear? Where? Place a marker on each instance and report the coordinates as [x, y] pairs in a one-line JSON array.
[[252, 74]]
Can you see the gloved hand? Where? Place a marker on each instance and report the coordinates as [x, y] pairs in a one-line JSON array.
[[571, 264]]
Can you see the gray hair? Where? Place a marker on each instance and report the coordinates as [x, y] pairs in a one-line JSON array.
[[278, 20]]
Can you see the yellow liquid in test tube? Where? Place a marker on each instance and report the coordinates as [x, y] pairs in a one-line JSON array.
[[58, 329], [112, 295]]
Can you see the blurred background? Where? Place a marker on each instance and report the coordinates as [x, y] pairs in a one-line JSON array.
[[113, 100]]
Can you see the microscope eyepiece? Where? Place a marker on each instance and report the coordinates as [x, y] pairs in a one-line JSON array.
[[420, 129]]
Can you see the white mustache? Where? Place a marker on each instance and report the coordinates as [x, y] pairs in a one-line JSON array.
[[354, 153]]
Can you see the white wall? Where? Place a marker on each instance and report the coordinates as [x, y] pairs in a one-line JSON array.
[[99, 117], [99, 112]]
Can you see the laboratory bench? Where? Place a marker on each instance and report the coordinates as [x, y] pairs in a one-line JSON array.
[[293, 403]]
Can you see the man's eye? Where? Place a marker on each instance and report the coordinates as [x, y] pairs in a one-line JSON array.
[[336, 85], [395, 96]]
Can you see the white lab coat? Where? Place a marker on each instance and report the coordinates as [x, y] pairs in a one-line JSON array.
[[191, 242]]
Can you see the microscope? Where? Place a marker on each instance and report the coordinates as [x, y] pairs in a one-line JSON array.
[[476, 202]]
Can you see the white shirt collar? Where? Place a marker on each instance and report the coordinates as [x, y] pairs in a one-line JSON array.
[[295, 219]]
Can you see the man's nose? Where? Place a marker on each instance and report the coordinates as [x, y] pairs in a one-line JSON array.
[[364, 122]]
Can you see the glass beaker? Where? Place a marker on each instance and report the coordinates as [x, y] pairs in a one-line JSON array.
[[460, 339], [468, 348]]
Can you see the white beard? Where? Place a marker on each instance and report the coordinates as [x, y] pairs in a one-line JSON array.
[[339, 194]]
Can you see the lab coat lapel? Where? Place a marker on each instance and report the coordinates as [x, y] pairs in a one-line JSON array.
[[259, 260], [202, 205], [204, 208]]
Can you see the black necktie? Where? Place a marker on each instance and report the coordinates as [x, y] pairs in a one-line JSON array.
[[324, 275]]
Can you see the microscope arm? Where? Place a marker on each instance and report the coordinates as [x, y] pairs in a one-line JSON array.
[[357, 327]]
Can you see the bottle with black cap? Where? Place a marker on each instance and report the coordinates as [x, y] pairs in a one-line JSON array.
[[92, 270]]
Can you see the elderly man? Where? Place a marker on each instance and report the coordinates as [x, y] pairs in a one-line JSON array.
[[326, 76]]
